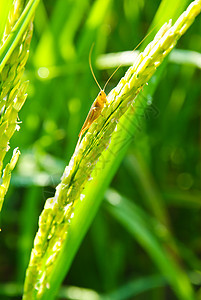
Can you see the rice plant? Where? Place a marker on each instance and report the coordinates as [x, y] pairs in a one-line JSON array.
[[14, 52], [139, 209]]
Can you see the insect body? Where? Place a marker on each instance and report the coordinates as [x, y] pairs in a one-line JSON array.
[[95, 111]]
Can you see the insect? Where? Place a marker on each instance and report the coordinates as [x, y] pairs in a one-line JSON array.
[[95, 111], [98, 103], [101, 99]]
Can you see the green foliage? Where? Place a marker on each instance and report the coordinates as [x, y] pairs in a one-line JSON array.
[[5, 7], [158, 173]]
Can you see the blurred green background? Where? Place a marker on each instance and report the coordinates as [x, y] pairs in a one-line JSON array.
[[160, 175]]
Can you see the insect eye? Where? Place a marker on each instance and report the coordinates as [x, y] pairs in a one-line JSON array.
[[100, 93]]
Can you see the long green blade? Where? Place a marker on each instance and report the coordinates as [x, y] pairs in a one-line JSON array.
[[17, 32], [5, 6]]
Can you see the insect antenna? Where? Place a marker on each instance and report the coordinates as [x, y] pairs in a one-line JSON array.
[[131, 52], [90, 65]]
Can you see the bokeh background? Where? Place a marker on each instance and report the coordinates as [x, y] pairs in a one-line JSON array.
[[161, 173]]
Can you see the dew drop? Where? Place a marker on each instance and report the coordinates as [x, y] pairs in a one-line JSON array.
[[90, 178], [72, 215], [48, 285], [82, 196]]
